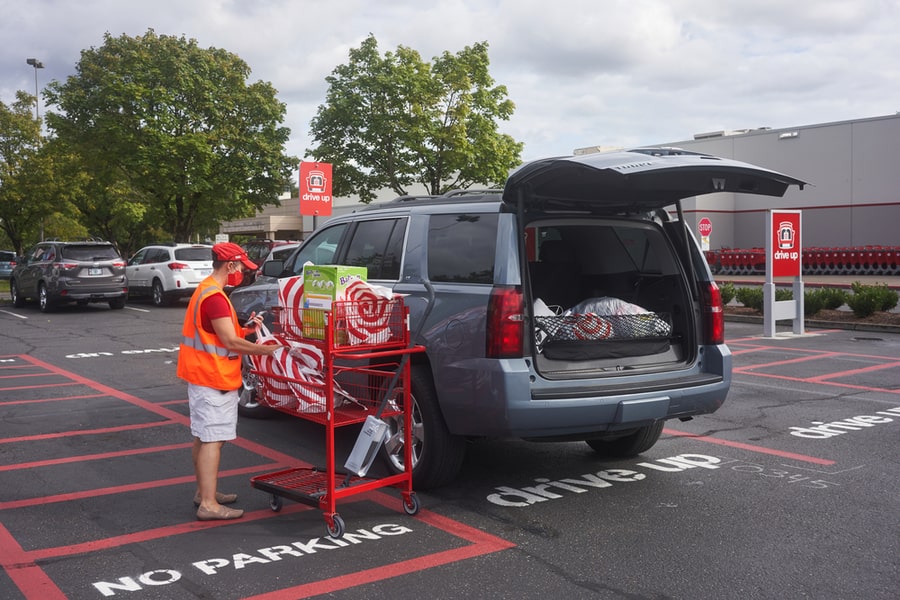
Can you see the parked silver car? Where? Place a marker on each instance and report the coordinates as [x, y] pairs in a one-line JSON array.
[[570, 306]]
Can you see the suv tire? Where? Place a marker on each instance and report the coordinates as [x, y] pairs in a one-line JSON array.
[[44, 298], [117, 303], [437, 454], [630, 445], [18, 300]]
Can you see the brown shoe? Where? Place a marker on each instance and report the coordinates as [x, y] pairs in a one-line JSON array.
[[224, 513], [220, 498]]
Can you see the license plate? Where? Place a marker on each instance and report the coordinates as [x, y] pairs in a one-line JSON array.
[[204, 272], [95, 271]]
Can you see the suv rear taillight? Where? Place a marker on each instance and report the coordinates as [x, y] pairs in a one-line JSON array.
[[64, 266], [713, 314], [505, 323], [177, 266]]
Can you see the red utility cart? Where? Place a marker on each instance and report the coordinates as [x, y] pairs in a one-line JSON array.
[[364, 357]]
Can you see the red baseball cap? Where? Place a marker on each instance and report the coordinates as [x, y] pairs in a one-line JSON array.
[[228, 251]]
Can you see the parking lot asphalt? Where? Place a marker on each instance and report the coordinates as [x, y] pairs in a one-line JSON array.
[[789, 491]]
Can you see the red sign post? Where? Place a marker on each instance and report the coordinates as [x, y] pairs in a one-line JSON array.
[[783, 259], [315, 189]]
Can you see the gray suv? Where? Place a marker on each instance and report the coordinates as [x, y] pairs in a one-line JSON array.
[[55, 273], [570, 306]]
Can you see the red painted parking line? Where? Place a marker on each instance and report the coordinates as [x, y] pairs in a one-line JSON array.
[[25, 574], [868, 369], [481, 543], [87, 457], [33, 582], [54, 399], [62, 434], [145, 485], [751, 447]]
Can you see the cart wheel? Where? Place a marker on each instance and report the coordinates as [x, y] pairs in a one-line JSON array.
[[275, 503], [335, 527], [411, 505]]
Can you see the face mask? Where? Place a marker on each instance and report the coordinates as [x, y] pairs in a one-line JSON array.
[[235, 279]]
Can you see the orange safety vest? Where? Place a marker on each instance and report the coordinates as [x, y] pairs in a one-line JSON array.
[[202, 360]]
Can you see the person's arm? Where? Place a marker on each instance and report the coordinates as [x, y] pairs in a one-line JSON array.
[[233, 342]]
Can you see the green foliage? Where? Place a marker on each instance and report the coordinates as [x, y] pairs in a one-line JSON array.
[[832, 298], [168, 138], [727, 291], [813, 301], [753, 297], [25, 197], [869, 299], [750, 297], [393, 121]]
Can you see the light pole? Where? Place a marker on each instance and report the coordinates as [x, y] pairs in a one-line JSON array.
[[37, 99]]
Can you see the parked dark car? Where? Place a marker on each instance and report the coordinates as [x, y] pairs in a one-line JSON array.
[[55, 273], [570, 306]]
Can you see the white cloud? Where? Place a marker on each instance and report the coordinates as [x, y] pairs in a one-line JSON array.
[[581, 72]]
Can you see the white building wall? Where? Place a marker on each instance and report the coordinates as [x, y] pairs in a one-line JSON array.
[[853, 168]]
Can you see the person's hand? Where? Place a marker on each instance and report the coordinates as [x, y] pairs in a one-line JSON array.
[[255, 320]]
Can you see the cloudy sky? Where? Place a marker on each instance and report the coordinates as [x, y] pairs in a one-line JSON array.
[[581, 72]]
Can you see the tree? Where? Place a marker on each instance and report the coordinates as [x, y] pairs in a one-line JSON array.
[[393, 121], [171, 138], [26, 197]]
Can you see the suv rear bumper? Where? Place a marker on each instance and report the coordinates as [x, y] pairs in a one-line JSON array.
[[548, 409]]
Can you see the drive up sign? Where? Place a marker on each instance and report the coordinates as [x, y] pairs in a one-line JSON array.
[[783, 259], [785, 244], [315, 189]]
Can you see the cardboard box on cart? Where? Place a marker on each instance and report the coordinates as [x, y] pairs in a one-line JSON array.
[[322, 285]]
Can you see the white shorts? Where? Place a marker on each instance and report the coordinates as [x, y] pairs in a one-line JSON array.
[[213, 413]]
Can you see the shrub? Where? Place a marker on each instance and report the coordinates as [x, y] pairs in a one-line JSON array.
[[727, 291], [813, 302], [833, 298], [869, 299], [750, 297], [753, 297]]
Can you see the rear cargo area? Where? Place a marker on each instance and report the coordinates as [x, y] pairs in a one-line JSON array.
[[607, 295]]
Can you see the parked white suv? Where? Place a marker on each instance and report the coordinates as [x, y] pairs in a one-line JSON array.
[[166, 272]]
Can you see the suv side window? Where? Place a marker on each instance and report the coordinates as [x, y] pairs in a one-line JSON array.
[[319, 249], [461, 248], [377, 245]]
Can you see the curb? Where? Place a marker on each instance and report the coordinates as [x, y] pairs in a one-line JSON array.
[[814, 324]]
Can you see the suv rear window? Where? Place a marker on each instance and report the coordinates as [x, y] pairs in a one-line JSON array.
[[193, 253], [90, 252], [461, 248]]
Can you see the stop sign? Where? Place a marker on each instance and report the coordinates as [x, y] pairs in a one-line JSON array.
[[705, 227]]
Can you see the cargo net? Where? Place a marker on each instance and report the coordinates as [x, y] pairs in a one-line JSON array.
[[602, 327], [380, 323]]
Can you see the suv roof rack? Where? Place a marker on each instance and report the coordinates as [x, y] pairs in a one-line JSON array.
[[459, 196]]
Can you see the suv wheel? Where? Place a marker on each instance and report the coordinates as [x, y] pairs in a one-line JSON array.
[[18, 299], [117, 303], [44, 298], [437, 455], [158, 294], [248, 405], [629, 445]]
